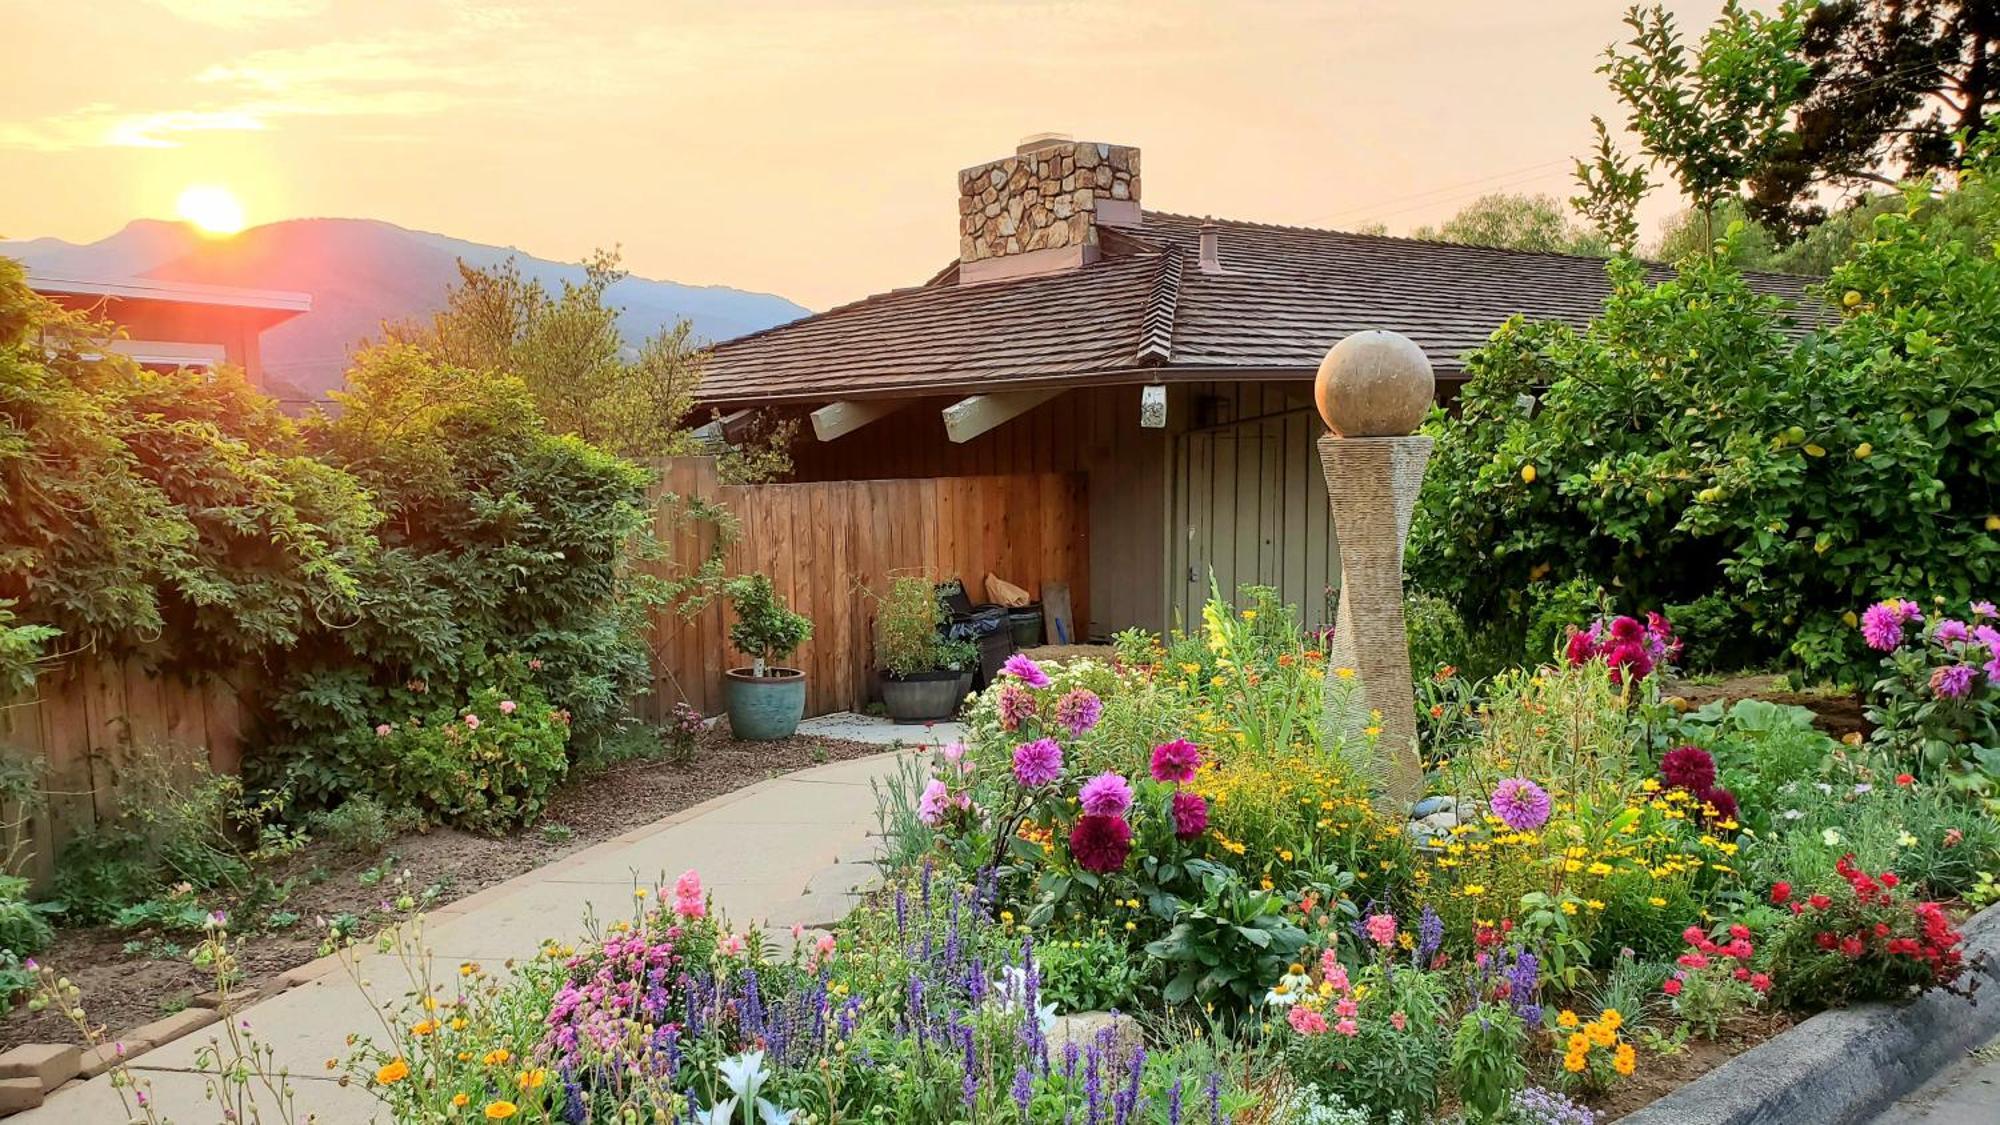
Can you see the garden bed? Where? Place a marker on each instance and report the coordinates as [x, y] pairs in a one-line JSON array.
[[135, 976]]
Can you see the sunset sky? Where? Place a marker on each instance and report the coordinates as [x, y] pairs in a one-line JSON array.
[[804, 147]]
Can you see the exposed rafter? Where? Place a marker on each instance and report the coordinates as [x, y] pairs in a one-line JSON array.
[[969, 417], [837, 419]]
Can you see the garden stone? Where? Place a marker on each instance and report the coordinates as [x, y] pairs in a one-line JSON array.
[[1085, 1029], [50, 1064], [1430, 805], [17, 1094]]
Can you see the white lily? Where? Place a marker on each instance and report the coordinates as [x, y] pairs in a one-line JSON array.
[[772, 1115], [744, 1074], [721, 1113]]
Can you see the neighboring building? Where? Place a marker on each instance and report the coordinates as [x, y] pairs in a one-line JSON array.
[[1072, 317], [170, 324]]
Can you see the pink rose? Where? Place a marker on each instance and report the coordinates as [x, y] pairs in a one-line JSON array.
[[507, 706]]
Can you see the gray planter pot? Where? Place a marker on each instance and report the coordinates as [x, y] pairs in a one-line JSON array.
[[767, 707], [921, 698]]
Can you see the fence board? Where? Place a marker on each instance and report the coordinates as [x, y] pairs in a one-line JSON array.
[[828, 546]]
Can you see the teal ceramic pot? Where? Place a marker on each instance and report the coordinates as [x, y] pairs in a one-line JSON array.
[[767, 707]]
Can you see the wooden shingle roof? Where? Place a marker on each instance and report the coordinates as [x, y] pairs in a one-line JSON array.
[[1145, 311]]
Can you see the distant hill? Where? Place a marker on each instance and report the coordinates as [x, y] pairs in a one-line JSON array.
[[362, 272]]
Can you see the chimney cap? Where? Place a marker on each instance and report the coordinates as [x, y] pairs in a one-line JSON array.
[[1034, 141]]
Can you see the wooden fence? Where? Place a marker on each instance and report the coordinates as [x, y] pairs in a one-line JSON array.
[[86, 720], [829, 547]]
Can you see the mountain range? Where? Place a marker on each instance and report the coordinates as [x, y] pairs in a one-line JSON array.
[[361, 272]]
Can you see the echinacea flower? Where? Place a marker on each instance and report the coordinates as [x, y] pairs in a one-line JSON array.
[[1020, 667], [1100, 843], [1037, 763], [1521, 804], [1107, 794], [1176, 761]]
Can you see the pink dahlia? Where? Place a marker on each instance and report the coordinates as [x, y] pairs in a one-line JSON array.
[[1952, 631], [1882, 623], [1521, 804], [1037, 763], [1107, 794], [1954, 681], [1581, 648], [1100, 843], [1176, 761], [1078, 711], [1190, 811], [1688, 767], [1025, 670], [1016, 706]]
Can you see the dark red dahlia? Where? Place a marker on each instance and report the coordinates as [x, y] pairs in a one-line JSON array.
[[1690, 768], [1627, 631], [1100, 843], [1722, 801]]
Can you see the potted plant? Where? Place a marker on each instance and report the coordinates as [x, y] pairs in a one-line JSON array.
[[765, 701], [917, 684]]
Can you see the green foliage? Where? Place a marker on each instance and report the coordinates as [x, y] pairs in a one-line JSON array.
[[906, 627], [486, 763], [1759, 749], [1710, 117], [170, 506], [1227, 947], [1091, 973], [21, 650], [1688, 453], [1518, 222], [766, 629], [358, 824], [1486, 1059], [24, 927]]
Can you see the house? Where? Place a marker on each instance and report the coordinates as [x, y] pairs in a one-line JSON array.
[[1168, 358], [170, 324]]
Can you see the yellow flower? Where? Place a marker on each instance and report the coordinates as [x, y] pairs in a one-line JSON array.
[[497, 1055], [1595, 904], [1625, 1060], [496, 1111], [1611, 1018], [393, 1072], [1600, 1035], [423, 1027], [1566, 1018], [1600, 868], [460, 1099], [458, 1023], [1249, 615], [533, 1079], [1573, 1063], [1578, 1042], [1656, 900], [1473, 890], [1344, 673], [1569, 907]]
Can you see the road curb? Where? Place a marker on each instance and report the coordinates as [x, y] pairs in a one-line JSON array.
[[1845, 1067]]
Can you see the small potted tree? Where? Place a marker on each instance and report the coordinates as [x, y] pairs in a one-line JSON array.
[[918, 683], [765, 701]]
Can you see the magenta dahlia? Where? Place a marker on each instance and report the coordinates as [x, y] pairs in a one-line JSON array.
[[1190, 812], [1078, 711], [1025, 670], [1521, 804], [1037, 763], [1100, 843], [1107, 794], [1176, 761]]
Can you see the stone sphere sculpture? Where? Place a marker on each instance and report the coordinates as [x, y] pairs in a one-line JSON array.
[[1374, 384]]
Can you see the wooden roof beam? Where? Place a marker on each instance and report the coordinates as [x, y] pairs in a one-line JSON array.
[[974, 415], [838, 419]]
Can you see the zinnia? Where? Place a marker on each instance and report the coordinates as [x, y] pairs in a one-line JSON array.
[[1100, 843], [1190, 814], [1521, 804], [1176, 761], [1078, 711], [1107, 794], [1037, 763], [1690, 768], [1025, 670]]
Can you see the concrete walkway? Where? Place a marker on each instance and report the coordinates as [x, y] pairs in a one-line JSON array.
[[791, 849], [1965, 1093]]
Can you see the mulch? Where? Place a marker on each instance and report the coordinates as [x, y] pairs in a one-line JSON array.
[[130, 978], [1659, 1075]]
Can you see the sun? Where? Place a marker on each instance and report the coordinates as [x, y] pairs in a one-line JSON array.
[[212, 209]]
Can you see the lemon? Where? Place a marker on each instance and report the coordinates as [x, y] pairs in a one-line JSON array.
[[1795, 434], [1849, 619], [1993, 523], [1815, 450], [1864, 451], [1528, 473], [1850, 298]]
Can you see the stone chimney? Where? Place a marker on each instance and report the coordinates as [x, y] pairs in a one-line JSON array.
[[1039, 210]]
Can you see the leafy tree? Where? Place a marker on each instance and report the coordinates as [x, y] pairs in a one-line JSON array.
[[1897, 88], [1710, 117], [1518, 222], [584, 379]]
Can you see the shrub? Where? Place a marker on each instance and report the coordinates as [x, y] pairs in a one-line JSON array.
[[24, 928], [906, 627], [1685, 450], [766, 629], [1758, 748], [1861, 939], [1936, 707], [358, 824]]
